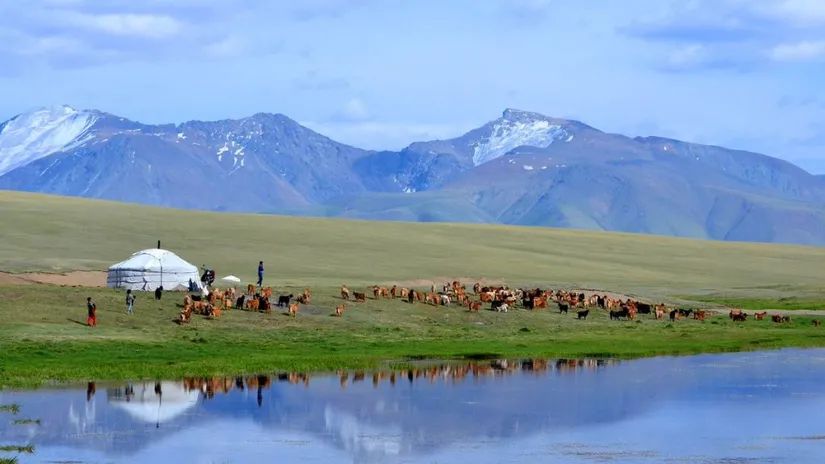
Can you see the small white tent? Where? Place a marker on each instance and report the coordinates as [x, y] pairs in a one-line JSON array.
[[149, 269]]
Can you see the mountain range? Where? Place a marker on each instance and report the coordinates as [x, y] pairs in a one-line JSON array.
[[521, 168]]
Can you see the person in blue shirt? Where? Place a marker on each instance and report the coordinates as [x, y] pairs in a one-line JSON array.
[[260, 273]]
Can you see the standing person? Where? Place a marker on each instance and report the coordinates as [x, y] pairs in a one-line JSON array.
[[130, 301], [260, 273], [91, 320]]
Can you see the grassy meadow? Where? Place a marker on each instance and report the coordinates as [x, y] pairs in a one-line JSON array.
[[43, 337]]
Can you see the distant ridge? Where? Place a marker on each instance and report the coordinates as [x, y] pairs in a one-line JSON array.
[[521, 168]]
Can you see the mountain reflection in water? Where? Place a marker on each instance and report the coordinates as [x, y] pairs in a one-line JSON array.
[[484, 411]]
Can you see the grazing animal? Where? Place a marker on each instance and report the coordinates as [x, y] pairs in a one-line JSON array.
[[734, 312], [252, 303], [339, 310], [786, 318], [502, 308], [344, 292], [760, 316], [445, 300], [643, 308], [617, 315], [776, 318], [660, 310], [284, 300], [685, 312], [539, 303], [740, 317], [816, 322], [359, 297], [496, 304], [263, 303], [675, 315], [582, 314], [394, 291], [293, 309], [411, 296], [250, 289], [699, 315], [473, 306], [563, 307]]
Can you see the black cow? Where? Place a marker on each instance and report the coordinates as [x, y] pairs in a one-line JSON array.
[[582, 314], [283, 300], [527, 303], [496, 304], [685, 312], [563, 307], [643, 308], [617, 315]]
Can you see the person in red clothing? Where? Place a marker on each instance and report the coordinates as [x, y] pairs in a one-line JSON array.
[[91, 321]]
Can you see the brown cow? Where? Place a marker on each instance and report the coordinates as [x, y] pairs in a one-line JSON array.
[[250, 289], [359, 297], [376, 291], [760, 316], [539, 302], [733, 313], [344, 292], [776, 318], [739, 317], [660, 310], [394, 291], [339, 310], [699, 315], [473, 306], [293, 309]]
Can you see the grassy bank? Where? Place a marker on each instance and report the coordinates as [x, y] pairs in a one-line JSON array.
[[43, 338]]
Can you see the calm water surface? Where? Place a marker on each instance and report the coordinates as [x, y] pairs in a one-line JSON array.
[[763, 407]]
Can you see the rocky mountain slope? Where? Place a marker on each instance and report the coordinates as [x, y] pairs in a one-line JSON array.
[[522, 168]]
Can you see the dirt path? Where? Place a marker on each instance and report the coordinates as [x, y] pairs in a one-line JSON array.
[[72, 279]]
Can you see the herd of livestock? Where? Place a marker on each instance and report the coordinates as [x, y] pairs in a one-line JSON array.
[[499, 298]]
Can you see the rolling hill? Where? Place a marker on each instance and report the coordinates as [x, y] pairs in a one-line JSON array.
[[50, 233], [522, 168]]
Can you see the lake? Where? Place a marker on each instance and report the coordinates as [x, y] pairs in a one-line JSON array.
[[759, 407]]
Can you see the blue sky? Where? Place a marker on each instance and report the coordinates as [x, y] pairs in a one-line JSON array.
[[381, 74]]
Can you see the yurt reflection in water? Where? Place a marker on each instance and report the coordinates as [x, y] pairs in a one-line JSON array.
[[153, 402]]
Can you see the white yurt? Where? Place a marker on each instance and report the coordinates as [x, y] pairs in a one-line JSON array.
[[149, 269]]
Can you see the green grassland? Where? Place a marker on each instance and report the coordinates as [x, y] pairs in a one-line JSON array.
[[43, 337]]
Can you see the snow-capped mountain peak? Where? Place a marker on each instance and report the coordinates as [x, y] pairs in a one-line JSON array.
[[30, 136], [514, 129]]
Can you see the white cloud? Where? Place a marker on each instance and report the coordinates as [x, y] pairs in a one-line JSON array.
[[355, 109], [687, 56], [796, 11], [805, 50], [126, 24]]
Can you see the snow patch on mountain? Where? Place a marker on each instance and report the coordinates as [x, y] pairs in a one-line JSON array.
[[507, 134], [31, 136]]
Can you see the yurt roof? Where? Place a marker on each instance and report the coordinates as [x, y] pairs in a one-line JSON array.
[[153, 258]]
